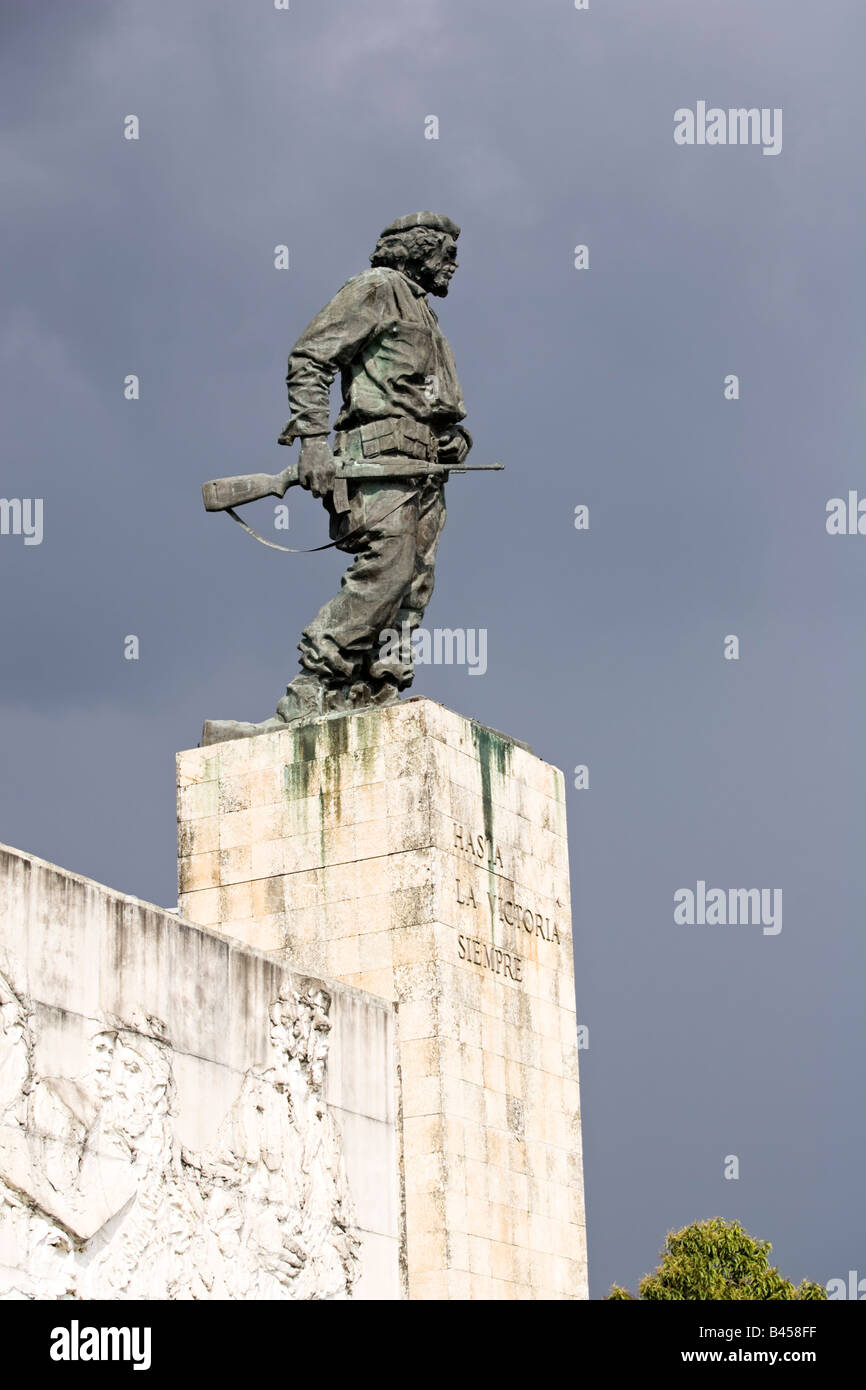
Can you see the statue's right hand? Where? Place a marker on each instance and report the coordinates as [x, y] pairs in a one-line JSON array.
[[316, 466]]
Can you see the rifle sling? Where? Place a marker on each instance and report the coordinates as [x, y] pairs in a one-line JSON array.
[[311, 550]]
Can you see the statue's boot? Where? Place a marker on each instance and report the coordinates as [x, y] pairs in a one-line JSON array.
[[370, 693], [302, 700], [221, 730]]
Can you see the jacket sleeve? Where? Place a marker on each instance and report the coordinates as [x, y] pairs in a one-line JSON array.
[[333, 338]]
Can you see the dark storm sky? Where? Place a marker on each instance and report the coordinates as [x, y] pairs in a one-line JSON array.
[[601, 387]]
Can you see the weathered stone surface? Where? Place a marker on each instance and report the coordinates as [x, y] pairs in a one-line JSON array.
[[181, 1117], [417, 855]]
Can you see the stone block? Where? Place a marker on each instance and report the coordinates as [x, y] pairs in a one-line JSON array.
[[422, 857]]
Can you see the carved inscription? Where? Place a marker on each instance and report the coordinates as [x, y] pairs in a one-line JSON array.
[[515, 914], [520, 919], [481, 849], [489, 957], [508, 910]]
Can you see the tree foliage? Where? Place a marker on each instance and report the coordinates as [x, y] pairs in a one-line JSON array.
[[717, 1259]]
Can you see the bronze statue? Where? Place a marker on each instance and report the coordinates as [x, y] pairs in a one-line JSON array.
[[397, 438]]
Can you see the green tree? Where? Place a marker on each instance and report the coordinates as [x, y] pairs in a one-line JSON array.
[[717, 1260]]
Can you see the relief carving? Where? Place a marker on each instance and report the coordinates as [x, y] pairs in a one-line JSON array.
[[98, 1199]]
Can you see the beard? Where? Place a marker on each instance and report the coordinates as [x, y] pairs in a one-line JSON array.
[[440, 285], [434, 280]]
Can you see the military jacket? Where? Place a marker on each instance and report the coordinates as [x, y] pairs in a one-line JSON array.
[[381, 335]]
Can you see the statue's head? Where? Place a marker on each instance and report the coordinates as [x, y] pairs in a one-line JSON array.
[[131, 1074], [422, 245], [299, 1033]]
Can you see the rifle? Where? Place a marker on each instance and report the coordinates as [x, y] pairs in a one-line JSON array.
[[222, 493]]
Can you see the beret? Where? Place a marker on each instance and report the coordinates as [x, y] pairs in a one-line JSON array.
[[437, 220]]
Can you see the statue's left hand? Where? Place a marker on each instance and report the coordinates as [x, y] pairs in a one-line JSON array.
[[454, 446], [316, 466]]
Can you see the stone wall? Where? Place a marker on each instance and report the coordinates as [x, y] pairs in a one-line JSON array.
[[347, 1070], [182, 1116]]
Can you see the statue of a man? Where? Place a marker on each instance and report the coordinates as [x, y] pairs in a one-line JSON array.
[[401, 397]]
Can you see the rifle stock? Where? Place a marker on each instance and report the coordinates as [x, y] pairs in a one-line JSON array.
[[247, 487]]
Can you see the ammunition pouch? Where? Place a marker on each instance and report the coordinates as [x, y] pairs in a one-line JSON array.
[[397, 434]]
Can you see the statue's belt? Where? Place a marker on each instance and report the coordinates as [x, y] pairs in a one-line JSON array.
[[395, 434], [376, 440]]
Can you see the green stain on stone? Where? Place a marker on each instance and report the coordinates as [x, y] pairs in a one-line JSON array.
[[296, 773], [322, 831], [317, 746], [336, 739], [494, 756]]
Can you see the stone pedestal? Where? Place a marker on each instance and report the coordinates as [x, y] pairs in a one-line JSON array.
[[423, 858]]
